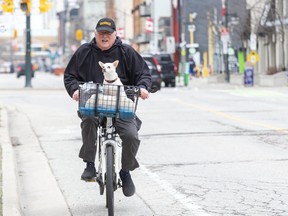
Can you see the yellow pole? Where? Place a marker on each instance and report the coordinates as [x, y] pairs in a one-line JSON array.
[[205, 71], [191, 37], [210, 46]]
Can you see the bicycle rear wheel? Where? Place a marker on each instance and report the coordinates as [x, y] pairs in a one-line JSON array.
[[109, 180]]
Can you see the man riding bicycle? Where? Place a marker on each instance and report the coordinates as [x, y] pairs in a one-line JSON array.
[[132, 70]]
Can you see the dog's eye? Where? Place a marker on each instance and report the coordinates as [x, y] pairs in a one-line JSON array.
[[108, 66]]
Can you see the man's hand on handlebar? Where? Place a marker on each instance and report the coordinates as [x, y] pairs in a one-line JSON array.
[[144, 94], [76, 95]]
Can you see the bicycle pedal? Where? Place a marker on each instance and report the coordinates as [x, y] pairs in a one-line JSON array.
[[89, 180], [101, 185]]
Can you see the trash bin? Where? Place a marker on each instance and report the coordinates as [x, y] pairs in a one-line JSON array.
[[249, 76]]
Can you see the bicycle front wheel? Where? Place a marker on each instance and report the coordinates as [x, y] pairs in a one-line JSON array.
[[109, 180]]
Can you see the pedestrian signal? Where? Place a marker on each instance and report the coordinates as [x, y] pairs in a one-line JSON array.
[[8, 6]]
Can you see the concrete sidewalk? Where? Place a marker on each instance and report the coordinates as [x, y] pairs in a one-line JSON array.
[[10, 202]]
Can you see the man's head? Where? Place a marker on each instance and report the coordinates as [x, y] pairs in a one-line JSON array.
[[105, 33]]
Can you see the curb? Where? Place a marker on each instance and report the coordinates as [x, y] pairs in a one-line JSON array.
[[26, 194], [11, 204]]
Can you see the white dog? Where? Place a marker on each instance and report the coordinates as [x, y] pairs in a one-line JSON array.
[[109, 72], [111, 78]]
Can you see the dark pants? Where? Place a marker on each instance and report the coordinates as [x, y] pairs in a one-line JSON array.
[[128, 132]]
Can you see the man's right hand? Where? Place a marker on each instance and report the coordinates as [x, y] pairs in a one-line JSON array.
[[76, 95]]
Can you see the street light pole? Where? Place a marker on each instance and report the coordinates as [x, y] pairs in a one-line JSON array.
[[64, 21], [225, 55], [28, 68], [183, 41]]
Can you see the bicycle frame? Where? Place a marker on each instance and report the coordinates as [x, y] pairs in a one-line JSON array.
[[108, 136]]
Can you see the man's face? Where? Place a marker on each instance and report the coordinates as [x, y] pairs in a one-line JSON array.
[[105, 39]]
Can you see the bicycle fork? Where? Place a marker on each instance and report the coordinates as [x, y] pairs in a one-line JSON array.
[[109, 138]]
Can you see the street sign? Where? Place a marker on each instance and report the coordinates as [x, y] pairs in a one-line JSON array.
[[253, 41], [170, 44], [149, 25], [225, 40], [253, 57], [192, 50], [191, 28]]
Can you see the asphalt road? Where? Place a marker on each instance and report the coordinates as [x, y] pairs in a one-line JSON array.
[[205, 150]]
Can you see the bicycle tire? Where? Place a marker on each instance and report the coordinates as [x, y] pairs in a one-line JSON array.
[[109, 180]]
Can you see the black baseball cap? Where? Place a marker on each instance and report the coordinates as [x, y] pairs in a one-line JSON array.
[[106, 24]]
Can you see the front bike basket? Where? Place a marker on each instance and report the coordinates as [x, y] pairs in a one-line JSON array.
[[108, 100]]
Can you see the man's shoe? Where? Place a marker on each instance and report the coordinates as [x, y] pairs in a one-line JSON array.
[[89, 174], [128, 186]]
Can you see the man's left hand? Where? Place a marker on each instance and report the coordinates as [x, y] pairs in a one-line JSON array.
[[144, 94]]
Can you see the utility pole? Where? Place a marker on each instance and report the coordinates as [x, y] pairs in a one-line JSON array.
[[25, 6], [64, 17], [225, 50], [183, 41], [28, 65], [176, 32]]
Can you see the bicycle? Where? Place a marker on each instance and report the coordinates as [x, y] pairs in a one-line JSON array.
[[108, 102]]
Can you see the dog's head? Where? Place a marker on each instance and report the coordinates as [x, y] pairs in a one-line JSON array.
[[109, 67]]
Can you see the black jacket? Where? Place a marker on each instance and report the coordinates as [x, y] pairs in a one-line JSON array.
[[83, 66]]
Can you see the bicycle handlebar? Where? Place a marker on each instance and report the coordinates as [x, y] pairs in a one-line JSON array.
[[153, 89], [137, 90]]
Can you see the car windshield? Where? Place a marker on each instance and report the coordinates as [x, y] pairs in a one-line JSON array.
[[162, 58]]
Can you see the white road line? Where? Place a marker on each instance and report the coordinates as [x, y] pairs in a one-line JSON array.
[[181, 198]]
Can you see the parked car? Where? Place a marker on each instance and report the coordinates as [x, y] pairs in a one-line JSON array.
[[21, 70], [155, 75], [167, 68], [165, 64], [6, 67]]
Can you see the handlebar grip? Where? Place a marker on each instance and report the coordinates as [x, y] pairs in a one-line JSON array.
[[138, 90], [153, 89]]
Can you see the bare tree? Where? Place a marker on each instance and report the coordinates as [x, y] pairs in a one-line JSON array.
[[268, 23]]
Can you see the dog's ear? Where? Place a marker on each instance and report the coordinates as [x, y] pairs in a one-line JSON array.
[[115, 63], [101, 64]]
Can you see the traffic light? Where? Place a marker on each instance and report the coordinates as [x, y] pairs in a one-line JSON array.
[[8, 6], [25, 5], [44, 6], [79, 34]]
